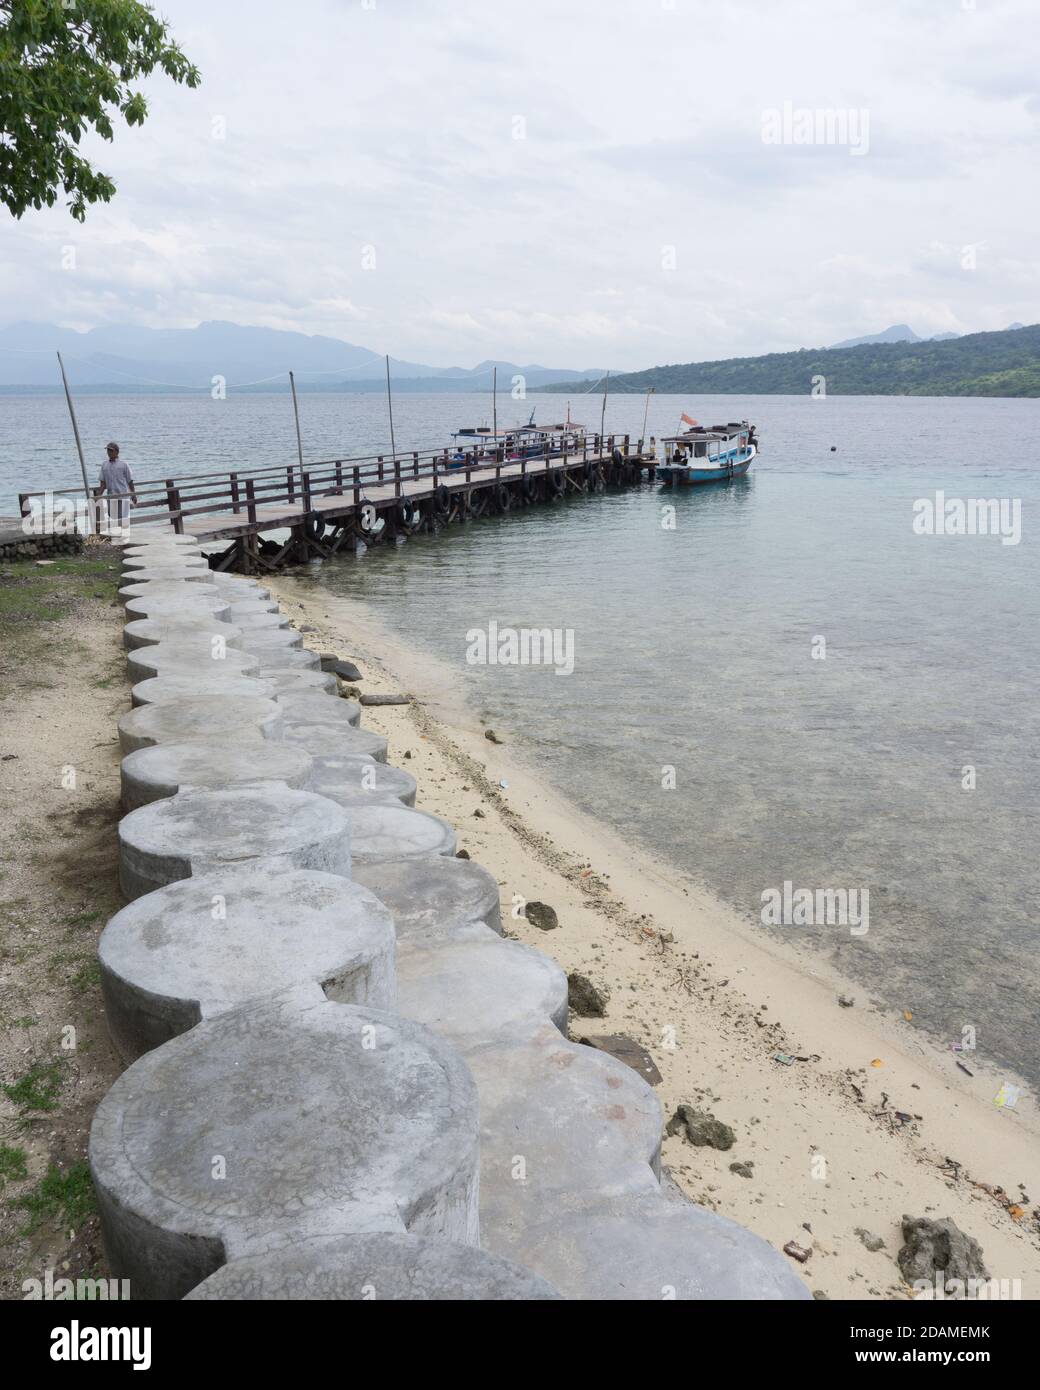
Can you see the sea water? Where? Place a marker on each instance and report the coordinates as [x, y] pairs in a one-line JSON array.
[[787, 684]]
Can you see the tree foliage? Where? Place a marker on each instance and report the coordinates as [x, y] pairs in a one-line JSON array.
[[1005, 363], [68, 68]]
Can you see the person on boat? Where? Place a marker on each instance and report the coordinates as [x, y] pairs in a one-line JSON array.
[[118, 481], [651, 453]]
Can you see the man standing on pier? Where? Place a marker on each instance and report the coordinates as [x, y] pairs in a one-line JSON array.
[[117, 480]]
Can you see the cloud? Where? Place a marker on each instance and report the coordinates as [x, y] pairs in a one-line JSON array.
[[453, 181]]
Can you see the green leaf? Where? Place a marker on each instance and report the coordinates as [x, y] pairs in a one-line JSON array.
[[64, 70]]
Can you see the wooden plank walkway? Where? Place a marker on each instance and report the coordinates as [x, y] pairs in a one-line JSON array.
[[326, 505]]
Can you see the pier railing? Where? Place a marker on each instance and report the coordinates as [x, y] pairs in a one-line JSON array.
[[290, 490]]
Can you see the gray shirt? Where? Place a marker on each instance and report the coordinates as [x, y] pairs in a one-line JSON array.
[[116, 476]]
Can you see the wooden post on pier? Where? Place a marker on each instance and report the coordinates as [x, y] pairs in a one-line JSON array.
[[390, 407], [173, 505]]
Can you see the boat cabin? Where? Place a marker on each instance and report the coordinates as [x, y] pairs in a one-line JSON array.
[[709, 446], [516, 442]]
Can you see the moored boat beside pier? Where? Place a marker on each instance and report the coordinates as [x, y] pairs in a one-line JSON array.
[[707, 454]]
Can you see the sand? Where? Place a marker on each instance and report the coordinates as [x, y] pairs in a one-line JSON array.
[[714, 1003]]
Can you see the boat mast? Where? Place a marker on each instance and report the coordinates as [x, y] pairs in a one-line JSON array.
[[494, 403], [603, 414]]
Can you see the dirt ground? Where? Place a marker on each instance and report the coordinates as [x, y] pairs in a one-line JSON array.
[[62, 686]]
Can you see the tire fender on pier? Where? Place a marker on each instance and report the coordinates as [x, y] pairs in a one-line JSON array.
[[313, 526], [366, 519]]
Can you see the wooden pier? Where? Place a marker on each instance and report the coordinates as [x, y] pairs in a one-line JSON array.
[[345, 503]]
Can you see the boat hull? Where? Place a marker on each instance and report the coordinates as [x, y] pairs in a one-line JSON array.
[[683, 476]]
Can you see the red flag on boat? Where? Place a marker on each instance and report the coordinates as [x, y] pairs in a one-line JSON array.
[[686, 420]]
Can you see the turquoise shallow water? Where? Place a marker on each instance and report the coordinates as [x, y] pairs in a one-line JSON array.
[[693, 650]]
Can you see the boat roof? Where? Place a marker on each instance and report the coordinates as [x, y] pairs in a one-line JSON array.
[[486, 432], [701, 432]]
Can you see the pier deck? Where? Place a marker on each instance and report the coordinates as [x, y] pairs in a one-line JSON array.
[[340, 502]]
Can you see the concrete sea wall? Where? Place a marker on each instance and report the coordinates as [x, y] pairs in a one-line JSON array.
[[342, 1081]]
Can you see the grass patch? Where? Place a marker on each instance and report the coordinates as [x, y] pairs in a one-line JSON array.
[[86, 977], [37, 1089], [33, 597], [68, 1196], [83, 919], [13, 1166]]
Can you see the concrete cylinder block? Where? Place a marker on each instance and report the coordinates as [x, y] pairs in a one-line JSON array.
[[165, 769], [286, 682], [277, 1121], [237, 584], [150, 532], [148, 632], [333, 739], [290, 659], [389, 1268], [265, 621], [167, 569], [158, 545], [196, 832], [203, 655], [471, 990], [585, 1123], [192, 589], [199, 947], [348, 780], [645, 1247], [160, 690], [213, 718], [247, 607], [180, 607], [169, 560], [387, 830], [303, 705], [433, 895]]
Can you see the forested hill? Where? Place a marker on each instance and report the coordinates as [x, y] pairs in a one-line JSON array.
[[981, 364]]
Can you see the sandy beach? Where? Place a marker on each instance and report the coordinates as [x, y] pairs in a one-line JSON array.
[[871, 1122]]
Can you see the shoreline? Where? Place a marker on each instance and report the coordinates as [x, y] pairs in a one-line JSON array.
[[714, 1004]]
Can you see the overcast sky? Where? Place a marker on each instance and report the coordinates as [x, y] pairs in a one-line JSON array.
[[641, 217]]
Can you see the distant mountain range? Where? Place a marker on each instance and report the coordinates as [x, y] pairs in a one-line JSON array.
[[148, 360], [124, 358], [901, 333], [1006, 363]]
